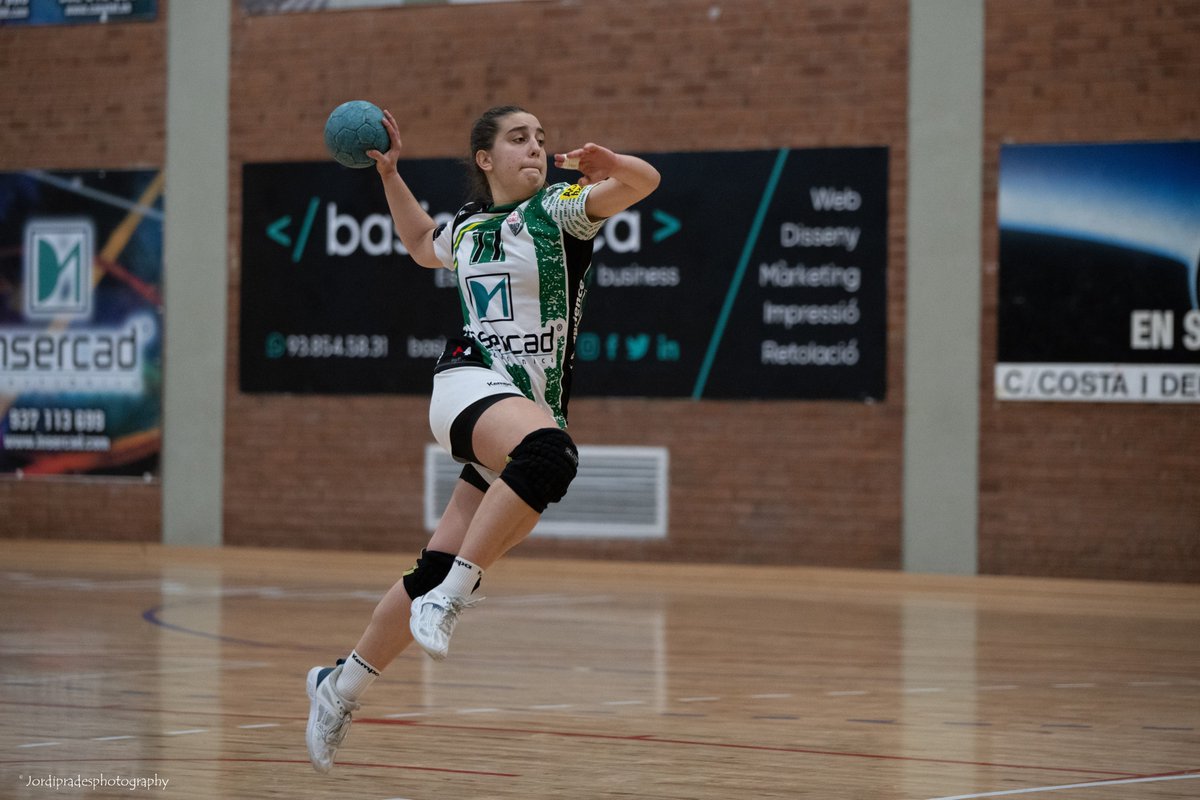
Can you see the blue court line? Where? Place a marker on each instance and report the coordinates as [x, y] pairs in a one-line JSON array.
[[736, 283], [154, 617]]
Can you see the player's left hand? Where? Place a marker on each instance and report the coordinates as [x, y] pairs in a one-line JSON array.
[[595, 162]]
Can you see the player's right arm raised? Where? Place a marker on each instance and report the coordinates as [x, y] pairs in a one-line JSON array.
[[413, 223]]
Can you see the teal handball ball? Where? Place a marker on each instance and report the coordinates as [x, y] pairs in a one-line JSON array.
[[352, 129]]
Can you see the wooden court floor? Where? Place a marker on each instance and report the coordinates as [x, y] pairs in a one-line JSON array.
[[132, 671]]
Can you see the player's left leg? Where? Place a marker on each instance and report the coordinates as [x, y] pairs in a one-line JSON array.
[[388, 635], [334, 691]]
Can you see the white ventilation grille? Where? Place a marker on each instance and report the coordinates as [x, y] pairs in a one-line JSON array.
[[620, 493]]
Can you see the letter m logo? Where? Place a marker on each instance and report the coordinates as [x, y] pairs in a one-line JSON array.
[[58, 268], [491, 295]]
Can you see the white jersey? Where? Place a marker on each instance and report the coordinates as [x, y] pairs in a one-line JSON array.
[[521, 272]]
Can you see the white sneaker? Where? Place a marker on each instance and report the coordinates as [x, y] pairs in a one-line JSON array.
[[434, 616], [328, 716]]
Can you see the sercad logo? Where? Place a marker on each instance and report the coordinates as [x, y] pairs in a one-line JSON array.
[[491, 296], [58, 268]]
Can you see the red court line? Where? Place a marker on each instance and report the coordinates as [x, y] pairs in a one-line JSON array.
[[654, 739], [649, 738], [236, 760]]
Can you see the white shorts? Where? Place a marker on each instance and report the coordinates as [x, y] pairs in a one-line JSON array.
[[457, 389]]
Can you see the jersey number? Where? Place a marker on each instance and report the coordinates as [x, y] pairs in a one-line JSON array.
[[488, 247]]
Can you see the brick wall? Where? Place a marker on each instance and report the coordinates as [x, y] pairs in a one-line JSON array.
[[1077, 490], [784, 482], [82, 97], [1080, 489]]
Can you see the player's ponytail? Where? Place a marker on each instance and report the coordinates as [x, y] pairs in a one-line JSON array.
[[483, 137]]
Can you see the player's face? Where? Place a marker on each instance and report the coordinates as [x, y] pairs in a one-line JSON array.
[[516, 164]]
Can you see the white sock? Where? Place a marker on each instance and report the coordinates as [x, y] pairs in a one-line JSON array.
[[355, 677], [463, 578]]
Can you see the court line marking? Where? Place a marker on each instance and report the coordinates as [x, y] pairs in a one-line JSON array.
[[1167, 728], [533, 707], [1090, 785], [140, 709], [651, 738], [154, 617], [214, 664], [246, 760]]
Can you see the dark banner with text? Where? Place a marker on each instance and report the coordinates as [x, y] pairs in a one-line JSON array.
[[749, 274]]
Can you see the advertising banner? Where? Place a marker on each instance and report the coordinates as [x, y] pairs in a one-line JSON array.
[[75, 12], [1098, 273], [282, 6], [747, 274], [81, 322], [330, 301]]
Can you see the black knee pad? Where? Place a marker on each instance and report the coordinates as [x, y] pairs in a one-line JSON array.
[[430, 570], [541, 467]]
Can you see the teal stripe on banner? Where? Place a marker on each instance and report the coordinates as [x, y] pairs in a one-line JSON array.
[[736, 284], [302, 239]]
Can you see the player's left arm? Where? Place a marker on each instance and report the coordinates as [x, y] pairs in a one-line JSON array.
[[618, 180]]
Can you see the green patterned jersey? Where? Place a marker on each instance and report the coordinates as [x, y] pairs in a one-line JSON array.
[[521, 272]]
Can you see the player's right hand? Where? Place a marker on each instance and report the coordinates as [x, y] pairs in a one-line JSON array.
[[386, 162]]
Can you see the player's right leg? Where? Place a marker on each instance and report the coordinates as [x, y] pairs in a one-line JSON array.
[[535, 461]]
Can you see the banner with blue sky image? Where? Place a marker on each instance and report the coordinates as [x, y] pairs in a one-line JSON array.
[[1098, 290], [81, 322]]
